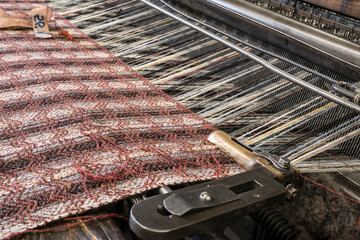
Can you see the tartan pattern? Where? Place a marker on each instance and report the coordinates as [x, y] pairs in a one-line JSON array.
[[80, 129]]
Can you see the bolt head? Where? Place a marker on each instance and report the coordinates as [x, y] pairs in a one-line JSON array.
[[291, 192], [206, 197]]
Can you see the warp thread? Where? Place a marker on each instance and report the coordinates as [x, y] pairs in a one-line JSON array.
[[88, 219]]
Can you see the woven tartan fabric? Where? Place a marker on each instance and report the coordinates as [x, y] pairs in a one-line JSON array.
[[80, 129]]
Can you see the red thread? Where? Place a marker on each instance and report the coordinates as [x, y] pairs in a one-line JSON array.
[[67, 34], [351, 199]]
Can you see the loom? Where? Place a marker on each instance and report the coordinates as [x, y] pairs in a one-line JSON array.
[[280, 77]]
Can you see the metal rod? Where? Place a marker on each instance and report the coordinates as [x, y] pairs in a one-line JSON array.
[[327, 78], [260, 61]]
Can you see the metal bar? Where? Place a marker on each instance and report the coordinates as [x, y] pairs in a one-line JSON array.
[[327, 78], [260, 61], [325, 49]]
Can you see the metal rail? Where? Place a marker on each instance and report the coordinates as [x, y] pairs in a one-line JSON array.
[[260, 61], [333, 81]]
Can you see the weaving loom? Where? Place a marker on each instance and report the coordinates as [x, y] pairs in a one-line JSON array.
[[81, 129], [87, 123]]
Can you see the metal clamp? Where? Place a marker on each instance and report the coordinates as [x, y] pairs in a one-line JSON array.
[[205, 207], [250, 159], [281, 163], [215, 204]]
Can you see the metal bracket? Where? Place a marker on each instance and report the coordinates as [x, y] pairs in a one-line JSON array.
[[203, 207], [350, 90], [181, 203], [280, 163], [250, 159]]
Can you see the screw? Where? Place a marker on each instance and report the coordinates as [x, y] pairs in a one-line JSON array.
[[291, 192], [206, 197], [284, 162]]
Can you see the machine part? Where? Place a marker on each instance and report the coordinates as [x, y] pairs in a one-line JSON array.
[[291, 192], [250, 159], [136, 198], [271, 225], [239, 152], [260, 61], [351, 8], [250, 192], [315, 16], [164, 189], [350, 90], [180, 204], [241, 229], [246, 43], [280, 162], [206, 197], [326, 50]]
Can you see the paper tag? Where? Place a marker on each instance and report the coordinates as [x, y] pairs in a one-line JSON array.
[[13, 22], [41, 18], [39, 21]]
